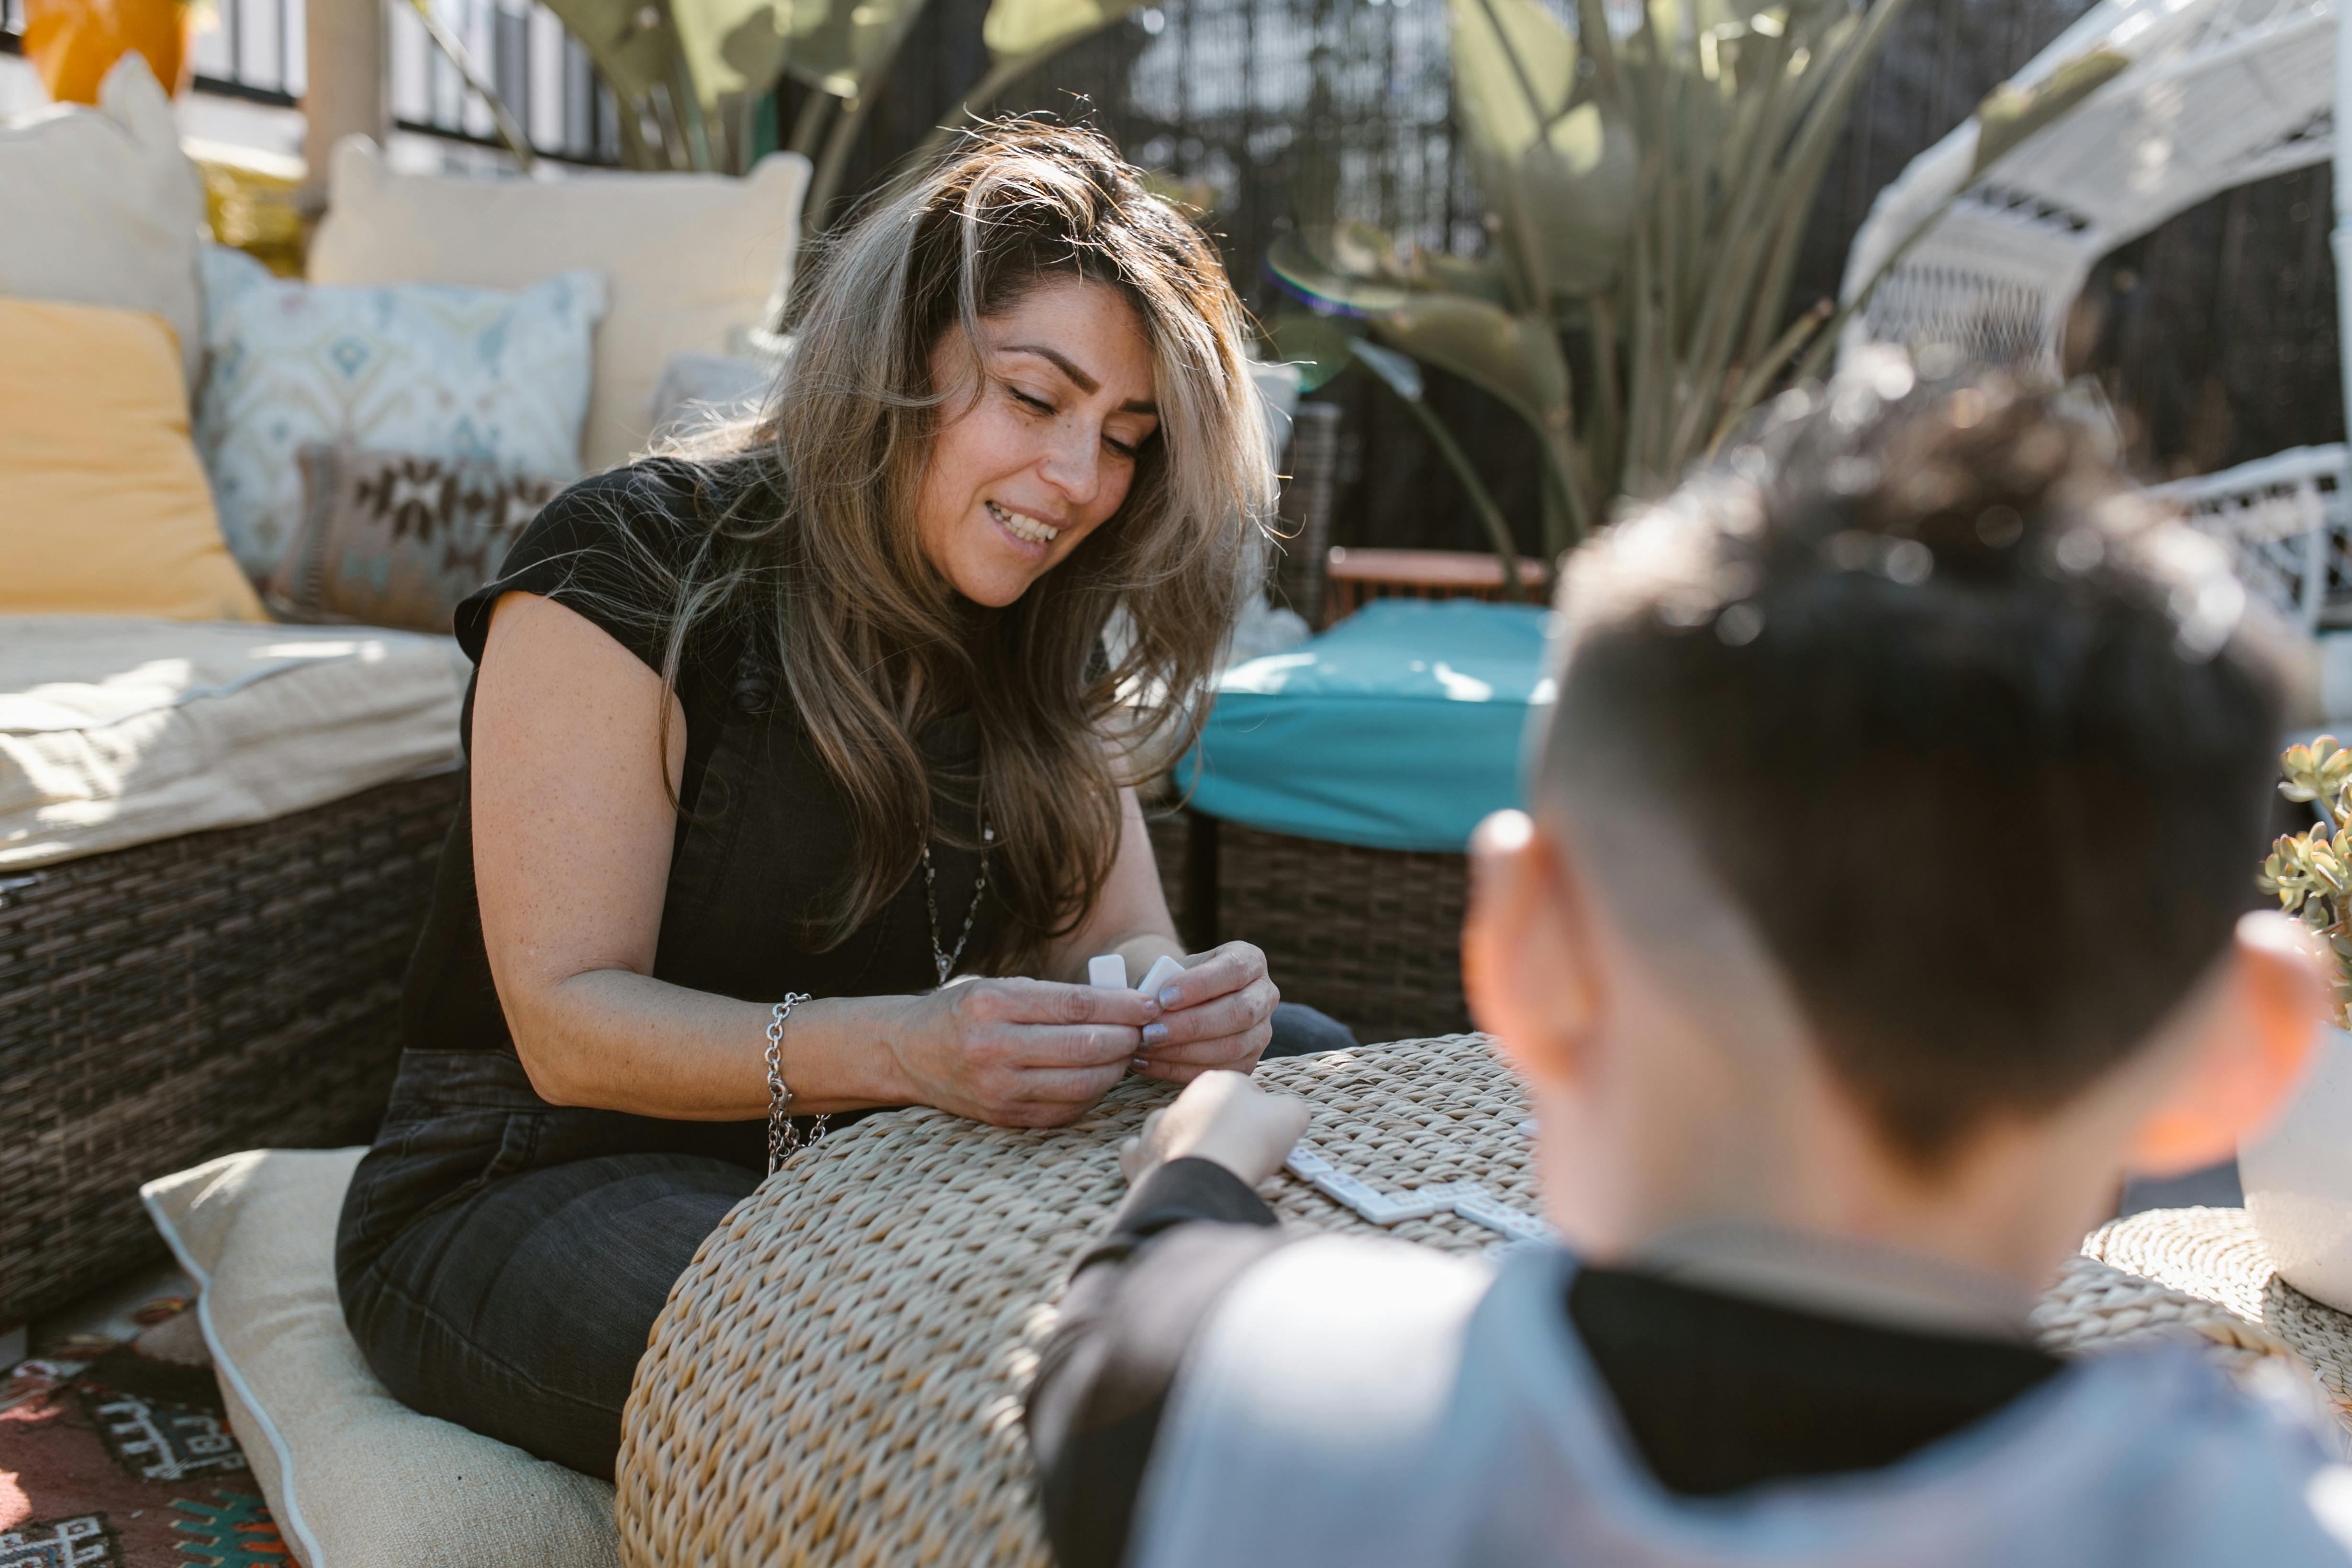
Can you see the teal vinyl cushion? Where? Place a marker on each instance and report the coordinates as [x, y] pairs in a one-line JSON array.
[[1399, 728]]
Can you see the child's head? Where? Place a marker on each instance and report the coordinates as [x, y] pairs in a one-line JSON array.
[[1905, 785]]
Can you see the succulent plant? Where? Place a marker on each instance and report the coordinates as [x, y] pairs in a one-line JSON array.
[[2311, 871]]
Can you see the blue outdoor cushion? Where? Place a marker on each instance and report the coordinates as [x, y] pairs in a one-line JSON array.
[[1399, 728]]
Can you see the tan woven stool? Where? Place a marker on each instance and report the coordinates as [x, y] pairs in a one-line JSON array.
[[837, 1378], [2203, 1271]]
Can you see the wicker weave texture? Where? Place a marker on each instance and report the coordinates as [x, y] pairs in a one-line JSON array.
[[2095, 1307], [1371, 936], [166, 1003], [1309, 493], [2216, 1255], [838, 1378]]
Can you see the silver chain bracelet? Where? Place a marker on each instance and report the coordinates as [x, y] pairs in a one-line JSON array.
[[783, 1138]]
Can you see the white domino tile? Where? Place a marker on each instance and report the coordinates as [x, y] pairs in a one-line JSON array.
[[1308, 1164], [1107, 969], [1482, 1208], [1163, 971]]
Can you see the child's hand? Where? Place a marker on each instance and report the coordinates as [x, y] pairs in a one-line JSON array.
[[1221, 1116]]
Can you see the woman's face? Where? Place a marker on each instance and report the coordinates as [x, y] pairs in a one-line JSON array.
[[1046, 450]]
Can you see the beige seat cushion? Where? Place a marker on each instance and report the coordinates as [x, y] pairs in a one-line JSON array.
[[354, 1478], [689, 261], [121, 730], [102, 208]]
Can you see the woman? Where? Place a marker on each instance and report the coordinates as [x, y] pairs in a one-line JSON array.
[[824, 713]]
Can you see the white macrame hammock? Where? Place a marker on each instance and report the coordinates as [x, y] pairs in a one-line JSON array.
[[2217, 93]]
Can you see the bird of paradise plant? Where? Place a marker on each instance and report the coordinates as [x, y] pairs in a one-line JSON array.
[[689, 75], [1647, 178]]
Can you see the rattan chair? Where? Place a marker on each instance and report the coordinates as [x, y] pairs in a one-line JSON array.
[[1372, 937], [175, 1000]]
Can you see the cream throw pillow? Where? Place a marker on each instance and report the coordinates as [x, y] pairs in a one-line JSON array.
[[99, 207], [691, 261], [103, 506], [354, 1478]]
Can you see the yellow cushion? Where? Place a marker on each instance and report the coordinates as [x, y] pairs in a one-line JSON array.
[[103, 505]]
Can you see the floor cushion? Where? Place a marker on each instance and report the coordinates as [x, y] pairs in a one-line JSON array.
[[103, 505], [692, 261], [354, 1478], [1397, 730], [103, 208], [121, 730], [495, 374]]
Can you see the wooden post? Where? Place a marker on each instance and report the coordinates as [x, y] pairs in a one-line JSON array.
[[346, 52]]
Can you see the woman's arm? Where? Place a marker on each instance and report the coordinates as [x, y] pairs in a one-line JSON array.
[[572, 827], [1215, 1014]]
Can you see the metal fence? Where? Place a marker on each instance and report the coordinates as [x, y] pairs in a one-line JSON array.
[[252, 49]]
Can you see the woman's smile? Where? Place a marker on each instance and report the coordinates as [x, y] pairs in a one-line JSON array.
[[1024, 528]]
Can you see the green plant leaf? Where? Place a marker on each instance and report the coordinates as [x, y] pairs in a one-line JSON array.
[[1514, 68], [1399, 370], [731, 46], [1307, 278], [1318, 345], [1516, 359], [1477, 277], [1579, 186], [1566, 171], [1017, 27], [2008, 115], [631, 42], [838, 46]]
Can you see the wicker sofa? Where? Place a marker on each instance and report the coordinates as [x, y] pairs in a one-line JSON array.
[[174, 1001]]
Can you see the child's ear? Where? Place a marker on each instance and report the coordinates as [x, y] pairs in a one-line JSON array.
[[1526, 967], [2251, 1034]]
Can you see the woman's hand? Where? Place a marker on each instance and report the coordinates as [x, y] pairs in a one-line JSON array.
[[1019, 1053], [1221, 1116], [1213, 1016]]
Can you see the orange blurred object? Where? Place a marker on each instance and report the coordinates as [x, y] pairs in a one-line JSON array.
[[74, 43]]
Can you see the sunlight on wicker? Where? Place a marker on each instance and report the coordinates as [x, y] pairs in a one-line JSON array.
[[2215, 1255], [838, 1376]]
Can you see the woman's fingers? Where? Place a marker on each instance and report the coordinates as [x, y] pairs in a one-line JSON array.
[[1238, 1052], [1022, 1001], [1213, 973], [1234, 1014]]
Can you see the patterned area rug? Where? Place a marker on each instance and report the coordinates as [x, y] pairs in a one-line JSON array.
[[115, 1453]]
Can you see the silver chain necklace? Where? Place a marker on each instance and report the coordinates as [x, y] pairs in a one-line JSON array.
[[943, 960]]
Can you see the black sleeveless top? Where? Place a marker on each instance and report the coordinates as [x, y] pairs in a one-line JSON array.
[[762, 836]]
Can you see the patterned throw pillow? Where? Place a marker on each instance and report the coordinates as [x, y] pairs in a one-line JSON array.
[[496, 375], [391, 538]]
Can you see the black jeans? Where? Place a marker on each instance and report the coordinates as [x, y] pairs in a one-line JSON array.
[[502, 1261]]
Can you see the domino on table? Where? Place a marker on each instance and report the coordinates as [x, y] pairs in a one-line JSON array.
[[1163, 971], [1481, 1207], [1107, 969], [1379, 1207]]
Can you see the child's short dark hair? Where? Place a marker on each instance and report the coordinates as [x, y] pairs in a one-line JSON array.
[[1978, 737]]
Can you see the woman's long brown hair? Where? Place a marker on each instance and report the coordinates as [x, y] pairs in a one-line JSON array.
[[804, 537]]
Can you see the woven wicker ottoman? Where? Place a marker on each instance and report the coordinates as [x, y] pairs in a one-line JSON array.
[[838, 1378], [174, 1001], [2203, 1271]]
